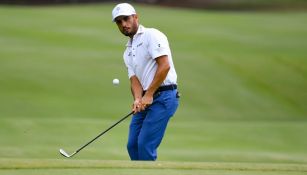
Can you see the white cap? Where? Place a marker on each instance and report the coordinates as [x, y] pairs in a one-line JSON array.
[[123, 9]]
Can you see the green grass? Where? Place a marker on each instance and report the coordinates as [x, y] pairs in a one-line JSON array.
[[27, 166], [242, 75]]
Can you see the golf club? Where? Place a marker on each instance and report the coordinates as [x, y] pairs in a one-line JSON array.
[[65, 154]]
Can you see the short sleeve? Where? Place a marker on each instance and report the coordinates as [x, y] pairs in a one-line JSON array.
[[129, 66], [157, 44], [130, 71]]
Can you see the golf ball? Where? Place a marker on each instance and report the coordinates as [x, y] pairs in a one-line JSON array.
[[116, 81]]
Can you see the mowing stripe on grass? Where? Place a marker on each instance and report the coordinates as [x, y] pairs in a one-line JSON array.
[[109, 164]]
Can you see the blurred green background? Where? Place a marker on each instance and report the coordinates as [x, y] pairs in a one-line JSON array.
[[242, 75]]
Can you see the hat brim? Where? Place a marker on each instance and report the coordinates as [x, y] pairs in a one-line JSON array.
[[122, 14]]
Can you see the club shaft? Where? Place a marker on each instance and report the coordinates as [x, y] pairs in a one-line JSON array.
[[104, 132]]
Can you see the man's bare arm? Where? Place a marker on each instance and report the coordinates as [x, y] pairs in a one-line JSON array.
[[161, 73], [136, 90]]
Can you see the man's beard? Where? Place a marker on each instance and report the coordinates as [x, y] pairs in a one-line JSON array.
[[131, 33], [127, 33]]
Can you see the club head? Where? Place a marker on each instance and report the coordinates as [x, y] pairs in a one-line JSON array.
[[65, 154]]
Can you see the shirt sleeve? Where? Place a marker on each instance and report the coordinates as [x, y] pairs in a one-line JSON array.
[[130, 71], [157, 44], [129, 66]]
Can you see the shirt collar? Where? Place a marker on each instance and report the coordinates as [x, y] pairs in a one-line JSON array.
[[140, 31]]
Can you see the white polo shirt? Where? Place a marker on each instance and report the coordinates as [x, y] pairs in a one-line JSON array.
[[139, 56]]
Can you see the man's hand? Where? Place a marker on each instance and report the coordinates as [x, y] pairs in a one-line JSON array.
[[146, 101], [141, 104], [136, 106]]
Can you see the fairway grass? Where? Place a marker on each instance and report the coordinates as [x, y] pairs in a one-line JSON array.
[[242, 76], [33, 166]]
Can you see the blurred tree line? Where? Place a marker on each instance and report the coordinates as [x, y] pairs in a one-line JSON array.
[[206, 4]]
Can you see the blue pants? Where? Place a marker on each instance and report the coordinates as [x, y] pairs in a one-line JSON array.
[[147, 127]]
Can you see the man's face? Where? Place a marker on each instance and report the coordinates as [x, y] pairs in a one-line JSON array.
[[128, 25]]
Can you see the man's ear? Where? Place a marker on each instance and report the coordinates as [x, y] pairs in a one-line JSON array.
[[136, 17]]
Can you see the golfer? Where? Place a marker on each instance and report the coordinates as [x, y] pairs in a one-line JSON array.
[[153, 83]]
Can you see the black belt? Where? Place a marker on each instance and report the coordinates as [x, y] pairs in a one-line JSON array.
[[164, 88]]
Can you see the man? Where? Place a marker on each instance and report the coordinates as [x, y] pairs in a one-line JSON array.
[[153, 83]]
